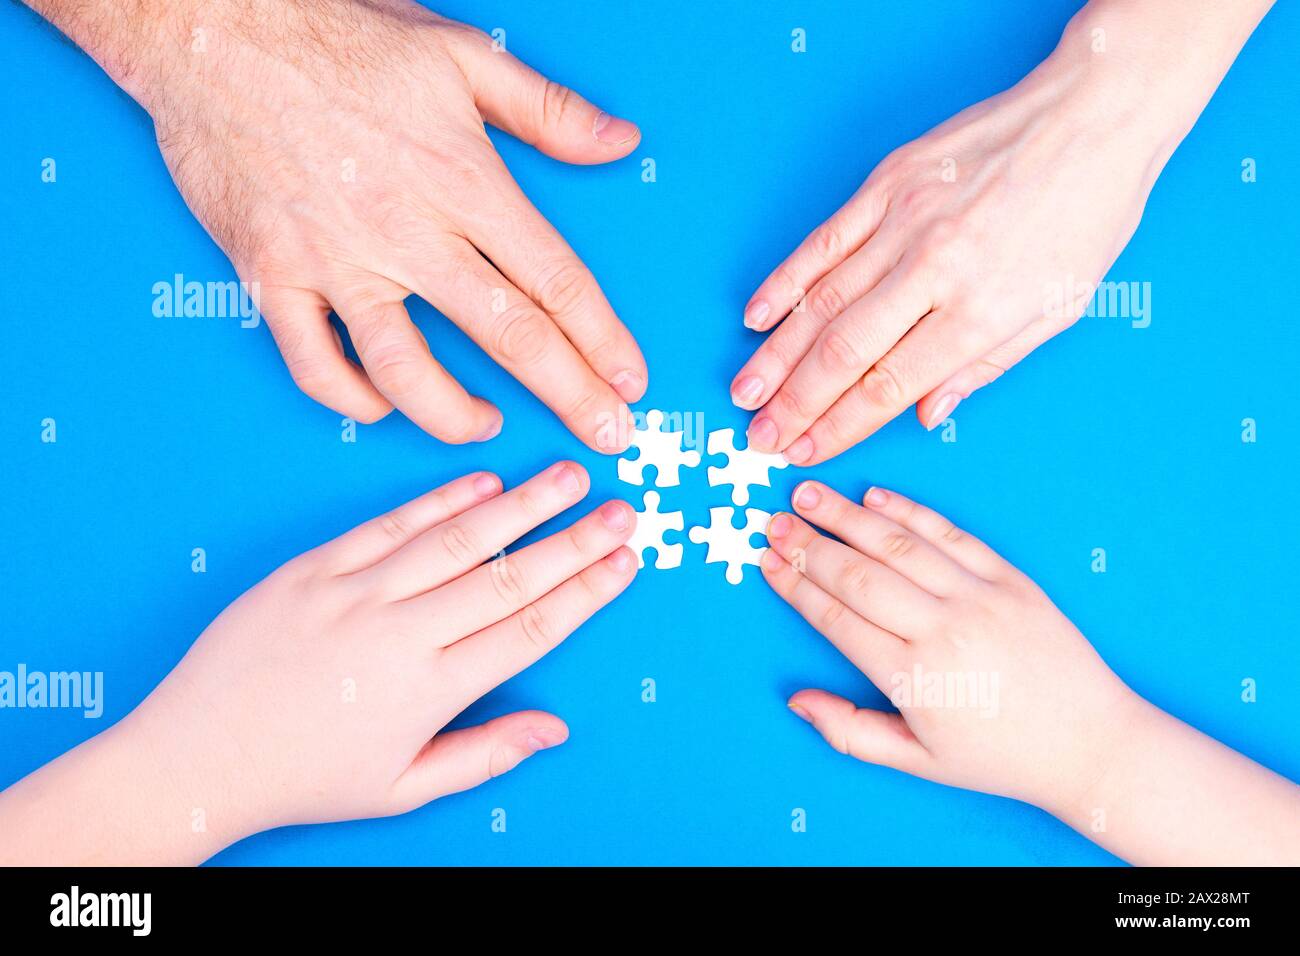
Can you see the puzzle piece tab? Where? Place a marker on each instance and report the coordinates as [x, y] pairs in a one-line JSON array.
[[649, 533], [744, 467], [659, 448], [730, 544]]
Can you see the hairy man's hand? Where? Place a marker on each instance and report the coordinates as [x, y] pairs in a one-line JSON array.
[[336, 151]]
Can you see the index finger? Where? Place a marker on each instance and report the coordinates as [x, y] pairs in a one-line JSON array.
[[826, 247]]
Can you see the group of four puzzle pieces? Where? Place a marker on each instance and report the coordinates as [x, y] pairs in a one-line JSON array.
[[727, 543]]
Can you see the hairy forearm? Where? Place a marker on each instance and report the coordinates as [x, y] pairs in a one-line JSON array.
[[132, 40], [1173, 796]]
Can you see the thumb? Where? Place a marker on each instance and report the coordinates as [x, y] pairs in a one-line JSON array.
[[553, 118], [872, 736], [940, 401], [462, 759]]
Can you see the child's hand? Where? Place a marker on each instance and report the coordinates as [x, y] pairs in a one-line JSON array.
[[320, 694], [998, 692]]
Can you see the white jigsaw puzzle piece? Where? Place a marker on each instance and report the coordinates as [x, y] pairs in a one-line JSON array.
[[730, 544], [659, 448], [649, 533], [743, 468]]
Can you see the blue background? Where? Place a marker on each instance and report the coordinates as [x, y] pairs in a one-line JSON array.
[[175, 434]]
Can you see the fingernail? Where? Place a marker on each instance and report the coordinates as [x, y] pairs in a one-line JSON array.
[[490, 432], [629, 385], [747, 391], [486, 485], [800, 712], [807, 496], [780, 525], [876, 498], [614, 514], [756, 314], [543, 738], [567, 478], [800, 450], [770, 561], [621, 560], [612, 130], [762, 433], [942, 410]]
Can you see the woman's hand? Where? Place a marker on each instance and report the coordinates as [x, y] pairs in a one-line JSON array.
[[322, 693], [997, 691], [337, 154], [968, 248]]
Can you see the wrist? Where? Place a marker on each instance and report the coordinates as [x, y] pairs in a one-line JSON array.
[[202, 798], [1122, 732], [1142, 72], [135, 42]]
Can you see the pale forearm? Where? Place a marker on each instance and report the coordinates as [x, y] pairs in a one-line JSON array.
[[1158, 61], [1174, 797], [127, 797]]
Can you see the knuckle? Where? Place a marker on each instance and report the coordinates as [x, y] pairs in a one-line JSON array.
[[839, 739], [557, 101], [395, 369], [826, 301], [499, 761], [827, 241], [952, 534], [854, 576], [460, 544], [310, 373], [395, 526], [833, 612], [792, 403], [897, 544], [578, 540], [536, 628], [600, 350], [583, 407], [528, 503], [508, 580], [521, 335], [785, 344], [561, 287], [913, 201], [595, 596], [839, 352], [788, 283], [833, 430], [943, 233], [456, 429], [881, 386]]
